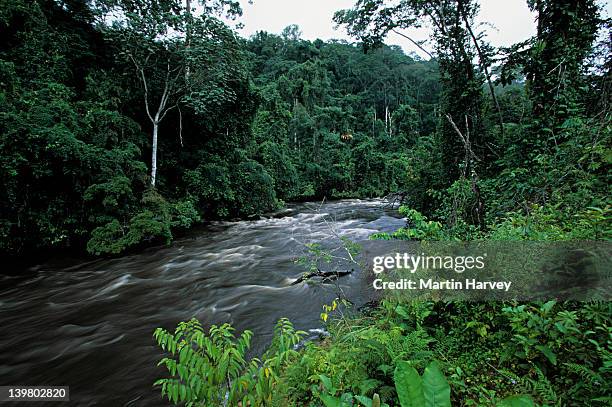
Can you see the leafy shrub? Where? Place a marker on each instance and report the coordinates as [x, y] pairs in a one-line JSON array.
[[184, 214], [144, 228], [109, 200], [211, 187], [213, 370], [569, 340], [550, 223], [277, 162], [430, 390], [254, 189], [107, 239]]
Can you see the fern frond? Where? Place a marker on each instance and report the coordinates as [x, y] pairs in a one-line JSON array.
[[544, 388]]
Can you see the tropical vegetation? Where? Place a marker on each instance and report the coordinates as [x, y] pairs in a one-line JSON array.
[[124, 123]]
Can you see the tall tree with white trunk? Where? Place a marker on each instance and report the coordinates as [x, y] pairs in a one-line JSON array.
[[180, 54]]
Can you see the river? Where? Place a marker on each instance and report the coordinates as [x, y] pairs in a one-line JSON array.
[[89, 325]]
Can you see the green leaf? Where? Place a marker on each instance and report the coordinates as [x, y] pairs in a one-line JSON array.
[[327, 383], [548, 306], [435, 387], [366, 401], [550, 355], [401, 311], [409, 385], [330, 401], [516, 401], [175, 391], [560, 327]]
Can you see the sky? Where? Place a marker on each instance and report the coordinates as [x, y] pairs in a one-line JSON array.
[[511, 21]]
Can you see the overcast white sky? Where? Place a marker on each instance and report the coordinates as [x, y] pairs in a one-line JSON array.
[[512, 21]]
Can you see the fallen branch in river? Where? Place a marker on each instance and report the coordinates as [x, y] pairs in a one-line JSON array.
[[394, 199], [324, 275]]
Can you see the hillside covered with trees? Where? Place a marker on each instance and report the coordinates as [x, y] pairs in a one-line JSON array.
[[239, 125]]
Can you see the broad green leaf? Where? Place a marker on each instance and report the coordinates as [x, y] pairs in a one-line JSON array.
[[548, 306], [435, 387], [409, 385], [401, 311], [330, 401], [327, 382]]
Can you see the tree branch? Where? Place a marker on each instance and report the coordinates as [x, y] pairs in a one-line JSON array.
[[143, 78], [466, 142], [414, 42]]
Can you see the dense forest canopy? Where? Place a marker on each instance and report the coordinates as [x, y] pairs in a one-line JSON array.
[[240, 124], [125, 122]]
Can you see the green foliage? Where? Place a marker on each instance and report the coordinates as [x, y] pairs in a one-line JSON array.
[[565, 36], [277, 162], [336, 122], [244, 123], [222, 190], [254, 189], [210, 185], [409, 386], [113, 238], [212, 369], [537, 333], [418, 228], [72, 114], [329, 398], [415, 391], [516, 401], [295, 119], [317, 120], [551, 353], [341, 118], [545, 334], [184, 214], [550, 223], [153, 225], [200, 374]]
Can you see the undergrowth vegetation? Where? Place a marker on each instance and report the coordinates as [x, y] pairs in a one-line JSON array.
[[406, 354]]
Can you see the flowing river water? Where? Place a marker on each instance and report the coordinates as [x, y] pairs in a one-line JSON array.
[[89, 325]]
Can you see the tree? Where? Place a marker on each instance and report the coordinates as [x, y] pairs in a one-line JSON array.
[[553, 63], [565, 34], [166, 43], [372, 20]]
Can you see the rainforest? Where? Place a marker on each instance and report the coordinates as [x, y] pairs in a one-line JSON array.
[[183, 209]]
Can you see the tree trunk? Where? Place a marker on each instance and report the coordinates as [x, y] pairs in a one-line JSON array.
[[387, 120], [188, 34], [484, 67], [154, 154]]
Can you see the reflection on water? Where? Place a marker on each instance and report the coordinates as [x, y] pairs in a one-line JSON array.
[[89, 326]]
